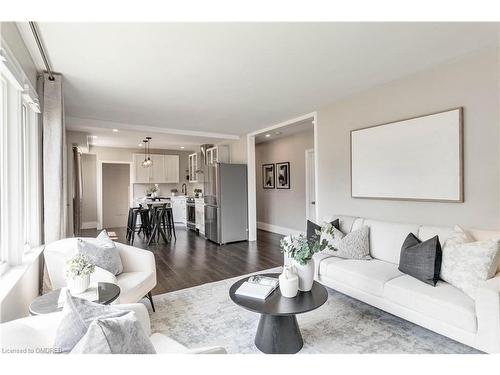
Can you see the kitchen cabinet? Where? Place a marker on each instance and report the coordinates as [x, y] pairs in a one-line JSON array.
[[200, 215], [141, 174], [157, 173], [165, 169], [172, 169], [218, 154], [193, 167], [179, 209]]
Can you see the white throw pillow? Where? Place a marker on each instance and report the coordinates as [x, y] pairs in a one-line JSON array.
[[353, 245], [457, 237], [103, 240], [467, 265]]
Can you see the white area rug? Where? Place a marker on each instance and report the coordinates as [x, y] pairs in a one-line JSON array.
[[205, 316]]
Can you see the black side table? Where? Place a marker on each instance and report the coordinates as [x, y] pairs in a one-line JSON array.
[[278, 331], [47, 303]]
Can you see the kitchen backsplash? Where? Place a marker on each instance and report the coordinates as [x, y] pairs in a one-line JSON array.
[[140, 189]]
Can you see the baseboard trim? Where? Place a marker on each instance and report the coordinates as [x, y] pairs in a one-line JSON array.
[[277, 229], [88, 225]]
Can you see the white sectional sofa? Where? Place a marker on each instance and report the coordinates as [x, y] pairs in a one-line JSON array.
[[378, 282]]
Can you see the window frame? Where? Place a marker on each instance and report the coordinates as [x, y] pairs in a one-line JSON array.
[[20, 151]]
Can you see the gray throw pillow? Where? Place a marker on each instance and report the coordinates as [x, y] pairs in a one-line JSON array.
[[103, 257], [116, 335], [353, 245], [78, 314], [421, 260]]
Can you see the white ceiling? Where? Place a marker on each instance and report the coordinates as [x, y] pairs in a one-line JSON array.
[[285, 131], [233, 78], [102, 133]]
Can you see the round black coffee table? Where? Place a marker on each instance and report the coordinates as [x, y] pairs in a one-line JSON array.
[[47, 303], [278, 331]]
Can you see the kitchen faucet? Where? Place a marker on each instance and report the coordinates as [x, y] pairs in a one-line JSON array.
[[184, 189]]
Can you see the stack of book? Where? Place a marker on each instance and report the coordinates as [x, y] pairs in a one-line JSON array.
[[259, 287]]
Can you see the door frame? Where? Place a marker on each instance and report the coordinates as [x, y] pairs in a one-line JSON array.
[[99, 187], [307, 153], [251, 180]]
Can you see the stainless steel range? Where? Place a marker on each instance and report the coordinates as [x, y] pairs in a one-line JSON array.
[[190, 213]]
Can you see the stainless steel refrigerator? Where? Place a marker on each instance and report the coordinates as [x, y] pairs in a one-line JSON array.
[[225, 189]]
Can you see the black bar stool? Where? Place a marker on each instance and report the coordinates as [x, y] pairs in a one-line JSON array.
[[158, 216], [132, 228]]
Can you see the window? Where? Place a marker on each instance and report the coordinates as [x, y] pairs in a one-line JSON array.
[[20, 194]]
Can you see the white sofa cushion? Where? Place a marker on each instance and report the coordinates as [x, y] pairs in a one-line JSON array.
[[387, 238], [443, 302], [426, 232], [325, 262], [366, 275]]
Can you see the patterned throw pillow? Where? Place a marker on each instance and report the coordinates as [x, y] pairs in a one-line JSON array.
[[115, 335], [78, 314], [458, 237], [353, 245], [468, 265], [103, 257]]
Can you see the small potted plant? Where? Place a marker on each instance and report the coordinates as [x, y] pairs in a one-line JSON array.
[[174, 192], [197, 193], [153, 191], [298, 250], [78, 271]]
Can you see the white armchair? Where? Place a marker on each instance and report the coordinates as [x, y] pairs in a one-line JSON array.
[[36, 334], [136, 281]]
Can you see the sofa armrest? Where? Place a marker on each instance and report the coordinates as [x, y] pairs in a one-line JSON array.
[[135, 259], [208, 350], [29, 333], [488, 315]]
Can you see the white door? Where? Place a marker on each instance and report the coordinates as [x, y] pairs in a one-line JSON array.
[[310, 186]]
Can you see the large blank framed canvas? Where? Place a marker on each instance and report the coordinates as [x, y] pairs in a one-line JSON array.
[[414, 159]]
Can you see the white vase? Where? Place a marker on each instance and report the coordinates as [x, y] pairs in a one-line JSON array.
[[289, 282], [305, 274], [78, 284]]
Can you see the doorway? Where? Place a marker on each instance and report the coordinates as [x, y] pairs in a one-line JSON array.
[[279, 151], [115, 194]]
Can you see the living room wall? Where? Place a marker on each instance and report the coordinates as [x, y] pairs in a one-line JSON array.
[[471, 82]]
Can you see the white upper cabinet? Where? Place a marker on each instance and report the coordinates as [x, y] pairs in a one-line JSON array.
[[158, 168], [141, 174], [193, 167], [172, 168], [218, 154], [165, 169]]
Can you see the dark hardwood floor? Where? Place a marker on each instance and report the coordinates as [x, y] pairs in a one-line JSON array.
[[191, 260]]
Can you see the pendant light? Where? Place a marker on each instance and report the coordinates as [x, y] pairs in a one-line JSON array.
[[147, 153]]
